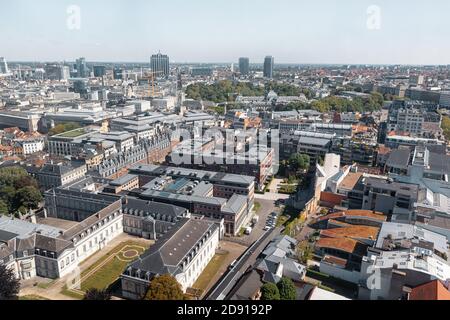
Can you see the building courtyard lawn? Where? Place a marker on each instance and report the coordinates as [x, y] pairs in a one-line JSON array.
[[32, 297], [73, 133], [106, 270], [210, 271]]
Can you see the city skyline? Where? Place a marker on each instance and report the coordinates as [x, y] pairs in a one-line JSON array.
[[294, 32]]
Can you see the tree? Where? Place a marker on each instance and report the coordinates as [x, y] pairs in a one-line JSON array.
[[4, 210], [165, 287], [96, 294], [18, 190], [8, 194], [26, 181], [270, 292], [300, 161], [287, 289], [446, 127], [304, 252], [9, 285], [28, 197]]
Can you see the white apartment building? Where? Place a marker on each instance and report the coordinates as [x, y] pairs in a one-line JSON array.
[[183, 252], [40, 250], [32, 146]]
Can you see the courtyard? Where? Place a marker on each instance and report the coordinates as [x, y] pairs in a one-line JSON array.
[[106, 271]]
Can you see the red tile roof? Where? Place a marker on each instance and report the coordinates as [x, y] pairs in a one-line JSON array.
[[433, 290], [343, 244], [354, 232]]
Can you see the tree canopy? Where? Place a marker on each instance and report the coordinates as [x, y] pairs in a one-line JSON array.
[[9, 285], [446, 127], [340, 104], [304, 252], [164, 287], [227, 91], [270, 292], [18, 191], [299, 161], [287, 289]]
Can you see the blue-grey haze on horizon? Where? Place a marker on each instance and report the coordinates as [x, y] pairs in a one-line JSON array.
[[293, 31]]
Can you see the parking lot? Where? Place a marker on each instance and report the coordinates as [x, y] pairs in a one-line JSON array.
[[266, 208]]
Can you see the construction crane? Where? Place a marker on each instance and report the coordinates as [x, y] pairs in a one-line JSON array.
[[151, 82]]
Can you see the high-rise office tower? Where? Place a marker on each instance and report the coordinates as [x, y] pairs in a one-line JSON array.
[[244, 65], [56, 71], [99, 71], [268, 67], [160, 64], [118, 74], [82, 70], [3, 66]]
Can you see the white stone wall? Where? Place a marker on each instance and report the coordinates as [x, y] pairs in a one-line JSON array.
[[200, 261], [98, 239]]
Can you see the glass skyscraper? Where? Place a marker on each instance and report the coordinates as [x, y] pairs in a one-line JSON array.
[[82, 70], [244, 66], [160, 64], [268, 67]]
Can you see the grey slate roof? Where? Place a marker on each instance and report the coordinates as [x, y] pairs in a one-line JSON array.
[[6, 236], [55, 169], [399, 158], [173, 247], [235, 204], [439, 163], [149, 207], [52, 244]]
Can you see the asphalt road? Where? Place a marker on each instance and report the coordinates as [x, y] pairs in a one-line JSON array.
[[267, 207], [229, 280]]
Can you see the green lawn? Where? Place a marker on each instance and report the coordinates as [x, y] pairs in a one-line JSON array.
[[105, 276], [45, 285], [210, 271], [73, 133], [257, 207], [32, 297], [71, 294], [109, 271], [287, 189]]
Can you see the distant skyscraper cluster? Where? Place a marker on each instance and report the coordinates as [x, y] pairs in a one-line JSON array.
[[268, 67], [160, 64], [244, 66]]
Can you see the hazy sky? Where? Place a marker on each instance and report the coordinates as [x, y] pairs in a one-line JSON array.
[[293, 31]]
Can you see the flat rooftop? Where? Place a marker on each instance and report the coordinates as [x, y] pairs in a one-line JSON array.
[[57, 223], [24, 228]]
